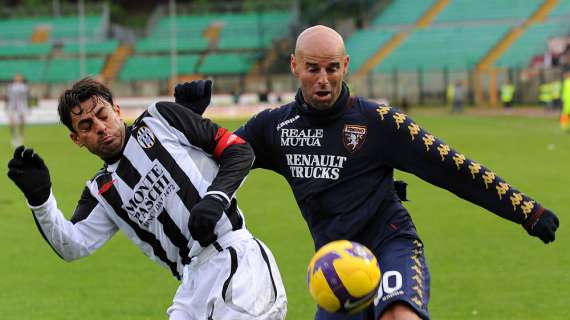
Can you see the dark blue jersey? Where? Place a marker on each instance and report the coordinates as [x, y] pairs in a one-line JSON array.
[[340, 164]]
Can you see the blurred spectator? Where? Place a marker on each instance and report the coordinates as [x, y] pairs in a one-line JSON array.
[[17, 109], [565, 116], [235, 96], [458, 97], [545, 95], [556, 91], [263, 96], [507, 94], [449, 91], [405, 104]]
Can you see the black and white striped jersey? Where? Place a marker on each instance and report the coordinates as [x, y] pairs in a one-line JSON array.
[[170, 160]]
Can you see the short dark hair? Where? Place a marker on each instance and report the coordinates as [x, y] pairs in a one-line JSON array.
[[82, 90]]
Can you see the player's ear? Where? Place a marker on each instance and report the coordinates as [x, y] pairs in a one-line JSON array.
[[75, 138], [294, 65], [346, 63], [117, 110]]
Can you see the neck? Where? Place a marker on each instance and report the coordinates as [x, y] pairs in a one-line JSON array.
[[116, 157], [323, 115]]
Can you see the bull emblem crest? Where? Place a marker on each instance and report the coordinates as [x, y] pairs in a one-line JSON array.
[[353, 136]]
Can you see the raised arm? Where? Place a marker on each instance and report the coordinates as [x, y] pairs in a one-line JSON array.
[[89, 228], [406, 146]]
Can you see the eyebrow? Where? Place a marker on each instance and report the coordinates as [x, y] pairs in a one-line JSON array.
[[88, 120], [332, 64]]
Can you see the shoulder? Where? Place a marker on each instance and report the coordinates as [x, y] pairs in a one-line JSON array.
[[102, 171], [165, 108], [273, 115], [372, 108], [97, 176], [381, 114]]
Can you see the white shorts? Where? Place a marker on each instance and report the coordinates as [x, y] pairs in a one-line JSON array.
[[240, 282]]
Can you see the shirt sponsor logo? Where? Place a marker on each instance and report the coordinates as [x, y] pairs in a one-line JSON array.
[[315, 166], [301, 137], [353, 136], [145, 137], [150, 195], [286, 122]]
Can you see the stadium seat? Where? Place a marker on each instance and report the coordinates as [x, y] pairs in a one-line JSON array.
[[156, 67]]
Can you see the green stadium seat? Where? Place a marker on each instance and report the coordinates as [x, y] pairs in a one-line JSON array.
[[162, 44], [562, 9], [227, 64], [31, 70], [469, 10], [92, 48], [67, 70], [455, 48], [25, 50], [362, 44], [403, 12], [21, 29], [238, 31], [531, 43], [156, 67]]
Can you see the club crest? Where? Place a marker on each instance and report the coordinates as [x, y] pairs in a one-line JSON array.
[[145, 137], [353, 136]]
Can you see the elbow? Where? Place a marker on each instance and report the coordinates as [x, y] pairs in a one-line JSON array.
[[71, 254], [250, 154]]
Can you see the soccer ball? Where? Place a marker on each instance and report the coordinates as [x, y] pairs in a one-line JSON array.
[[343, 276]]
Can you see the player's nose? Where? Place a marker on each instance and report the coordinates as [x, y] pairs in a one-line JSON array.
[[322, 77], [99, 126]]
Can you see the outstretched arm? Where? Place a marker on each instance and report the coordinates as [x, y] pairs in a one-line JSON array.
[[89, 227], [416, 151]]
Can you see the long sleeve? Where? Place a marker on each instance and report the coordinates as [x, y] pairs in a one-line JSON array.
[[256, 132], [87, 231], [234, 155], [407, 147]]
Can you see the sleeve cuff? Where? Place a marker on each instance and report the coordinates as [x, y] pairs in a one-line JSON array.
[[219, 194], [44, 206]]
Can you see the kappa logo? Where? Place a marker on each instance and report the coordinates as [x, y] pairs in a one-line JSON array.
[[353, 136], [145, 137]]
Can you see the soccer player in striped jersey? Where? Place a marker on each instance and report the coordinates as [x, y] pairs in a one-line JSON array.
[[338, 153], [168, 183]]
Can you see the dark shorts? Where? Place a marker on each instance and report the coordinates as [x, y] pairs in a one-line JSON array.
[[405, 278]]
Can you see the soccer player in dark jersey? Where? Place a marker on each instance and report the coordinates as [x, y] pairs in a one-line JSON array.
[[339, 153], [168, 183]]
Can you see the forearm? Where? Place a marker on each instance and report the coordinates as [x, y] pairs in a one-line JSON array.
[[65, 238], [235, 163], [434, 161]]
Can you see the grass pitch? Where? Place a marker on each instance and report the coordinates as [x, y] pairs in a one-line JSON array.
[[482, 267]]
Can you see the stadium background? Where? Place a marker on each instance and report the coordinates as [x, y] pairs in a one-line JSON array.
[[401, 50]]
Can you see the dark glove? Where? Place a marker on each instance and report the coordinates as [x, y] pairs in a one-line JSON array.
[[401, 189], [30, 174], [543, 224], [194, 95], [203, 218]]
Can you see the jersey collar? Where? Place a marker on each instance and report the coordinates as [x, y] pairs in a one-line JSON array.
[[322, 117], [128, 130]]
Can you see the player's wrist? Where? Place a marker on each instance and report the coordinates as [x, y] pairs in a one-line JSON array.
[[39, 196], [533, 218], [217, 199]]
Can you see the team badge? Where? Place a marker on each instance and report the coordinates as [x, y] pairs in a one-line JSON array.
[[353, 136], [145, 137]]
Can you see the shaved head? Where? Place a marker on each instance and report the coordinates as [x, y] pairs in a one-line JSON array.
[[320, 63], [319, 38]]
